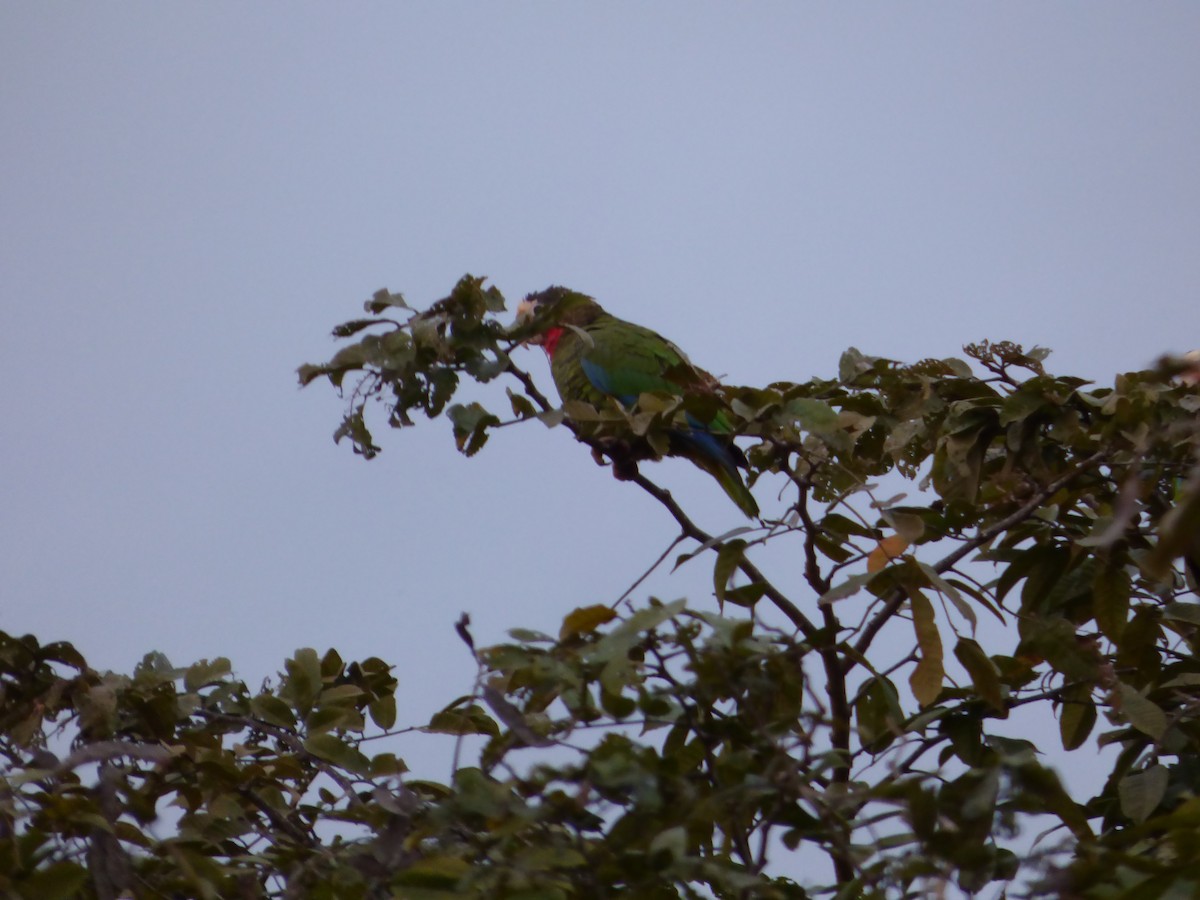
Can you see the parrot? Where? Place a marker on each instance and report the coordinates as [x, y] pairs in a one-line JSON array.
[[595, 355]]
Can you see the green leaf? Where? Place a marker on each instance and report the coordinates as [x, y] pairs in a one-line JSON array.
[[384, 764], [1140, 793], [947, 590], [1056, 641], [433, 871], [551, 418], [847, 588], [878, 714], [303, 681], [354, 426], [984, 675], [1078, 716], [909, 526], [1143, 714], [746, 595], [340, 695], [1179, 530], [340, 752], [308, 373], [470, 720], [336, 717], [204, 673], [63, 652], [98, 710], [729, 557], [1020, 404], [353, 327], [854, 363], [710, 543], [1021, 565], [529, 636], [382, 299], [617, 705], [1110, 596], [957, 464], [57, 881], [671, 844], [522, 406], [1187, 679], [1183, 612], [471, 422], [840, 526], [813, 415], [383, 711], [579, 411], [332, 665], [272, 710], [548, 858]]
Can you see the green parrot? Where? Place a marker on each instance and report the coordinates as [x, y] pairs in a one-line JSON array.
[[594, 355]]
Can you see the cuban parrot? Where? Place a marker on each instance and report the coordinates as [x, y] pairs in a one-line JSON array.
[[594, 355]]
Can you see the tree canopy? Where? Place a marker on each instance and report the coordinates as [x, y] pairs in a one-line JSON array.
[[840, 736]]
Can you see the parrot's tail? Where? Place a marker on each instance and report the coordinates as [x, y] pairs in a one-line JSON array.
[[720, 458]]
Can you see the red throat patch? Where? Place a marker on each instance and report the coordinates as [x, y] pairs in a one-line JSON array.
[[550, 340]]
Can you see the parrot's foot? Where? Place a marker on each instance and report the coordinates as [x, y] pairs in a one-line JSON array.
[[624, 469], [620, 456]]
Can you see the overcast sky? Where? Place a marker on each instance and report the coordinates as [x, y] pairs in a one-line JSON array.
[[191, 195]]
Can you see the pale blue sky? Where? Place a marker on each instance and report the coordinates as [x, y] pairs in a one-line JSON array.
[[192, 195]]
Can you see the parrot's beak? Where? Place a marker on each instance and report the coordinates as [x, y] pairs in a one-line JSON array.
[[525, 310]]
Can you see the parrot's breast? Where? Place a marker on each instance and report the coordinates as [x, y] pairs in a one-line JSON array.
[[550, 341]]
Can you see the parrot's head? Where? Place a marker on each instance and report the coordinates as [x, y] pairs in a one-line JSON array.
[[1191, 375], [1183, 369], [558, 307]]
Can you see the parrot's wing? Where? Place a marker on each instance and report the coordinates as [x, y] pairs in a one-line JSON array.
[[626, 360]]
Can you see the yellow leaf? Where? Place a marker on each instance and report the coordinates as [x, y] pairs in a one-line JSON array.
[[585, 620], [926, 679], [891, 547]]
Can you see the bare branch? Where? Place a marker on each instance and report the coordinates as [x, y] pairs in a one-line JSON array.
[[106, 751]]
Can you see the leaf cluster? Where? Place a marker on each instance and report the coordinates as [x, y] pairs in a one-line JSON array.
[[954, 543]]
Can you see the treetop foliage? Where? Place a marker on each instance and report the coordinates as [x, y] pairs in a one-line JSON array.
[[836, 728]]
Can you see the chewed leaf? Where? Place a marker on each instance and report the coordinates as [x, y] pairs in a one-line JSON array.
[[382, 299], [471, 422]]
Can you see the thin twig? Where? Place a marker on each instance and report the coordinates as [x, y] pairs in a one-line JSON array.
[[658, 562]]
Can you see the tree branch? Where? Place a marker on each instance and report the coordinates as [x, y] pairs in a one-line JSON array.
[[295, 744], [109, 864], [692, 530], [278, 820], [105, 751], [896, 600], [824, 639]]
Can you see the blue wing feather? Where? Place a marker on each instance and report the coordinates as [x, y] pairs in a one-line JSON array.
[[697, 437], [602, 381]]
